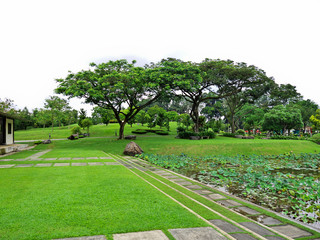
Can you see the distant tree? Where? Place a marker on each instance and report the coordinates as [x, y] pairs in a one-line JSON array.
[[307, 108], [82, 116], [86, 123], [282, 118], [185, 119], [6, 105], [42, 117], [56, 106], [251, 116], [102, 115], [315, 119], [142, 117], [283, 94]]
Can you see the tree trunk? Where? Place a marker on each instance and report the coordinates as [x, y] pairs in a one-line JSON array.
[[194, 114], [121, 130], [233, 128]]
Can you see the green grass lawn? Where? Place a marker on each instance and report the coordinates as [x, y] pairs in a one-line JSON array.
[[46, 203]]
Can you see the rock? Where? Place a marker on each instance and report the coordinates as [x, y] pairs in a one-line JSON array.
[[195, 137], [132, 149], [73, 137], [130, 137], [238, 136], [46, 141]]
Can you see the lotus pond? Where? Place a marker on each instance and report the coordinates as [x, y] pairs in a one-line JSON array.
[[286, 183]]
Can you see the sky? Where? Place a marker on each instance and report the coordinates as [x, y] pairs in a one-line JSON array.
[[41, 41]]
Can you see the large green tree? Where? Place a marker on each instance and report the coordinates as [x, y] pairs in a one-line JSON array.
[[307, 109], [115, 85], [282, 118], [315, 119], [56, 106]]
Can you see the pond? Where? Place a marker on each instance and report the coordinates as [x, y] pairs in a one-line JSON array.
[[285, 183]]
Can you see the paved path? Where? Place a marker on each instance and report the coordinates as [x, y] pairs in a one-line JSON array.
[[266, 227]]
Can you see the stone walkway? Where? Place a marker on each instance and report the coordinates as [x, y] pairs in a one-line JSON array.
[[258, 225]]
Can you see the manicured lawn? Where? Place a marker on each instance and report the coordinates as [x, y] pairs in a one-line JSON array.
[[46, 203]]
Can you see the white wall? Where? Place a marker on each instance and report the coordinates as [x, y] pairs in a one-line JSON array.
[[9, 137]]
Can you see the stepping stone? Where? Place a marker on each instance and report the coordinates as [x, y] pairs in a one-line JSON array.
[[23, 165], [34, 159], [92, 158], [80, 158], [154, 235], [165, 174], [266, 220], [5, 160], [100, 237], [257, 228], [79, 164], [246, 211], [178, 180], [242, 236], [216, 196], [112, 163], [43, 165], [171, 177], [61, 164], [20, 160], [185, 183], [95, 163], [106, 158], [203, 233], [7, 166], [225, 226], [203, 192], [291, 231], [50, 159], [229, 203], [194, 187], [67, 158], [276, 238]]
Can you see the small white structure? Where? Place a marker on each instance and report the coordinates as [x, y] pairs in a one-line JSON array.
[[6, 129]]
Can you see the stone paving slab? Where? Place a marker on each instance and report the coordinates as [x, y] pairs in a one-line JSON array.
[[61, 164], [257, 228], [225, 226], [50, 159], [229, 203], [112, 163], [79, 164], [23, 165], [178, 180], [246, 211], [43, 165], [216, 196], [35, 159], [99, 237], [203, 192], [7, 166], [20, 160], [5, 160], [184, 183], [203, 233], [92, 158], [171, 176], [149, 235], [193, 186], [266, 220], [95, 163], [106, 158], [274, 238], [66, 158], [291, 231], [165, 174], [78, 158], [242, 236]]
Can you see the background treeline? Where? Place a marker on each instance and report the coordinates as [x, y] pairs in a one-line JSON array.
[[214, 95]]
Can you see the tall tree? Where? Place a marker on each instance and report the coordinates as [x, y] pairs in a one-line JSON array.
[[307, 108], [114, 85], [315, 119], [56, 106]]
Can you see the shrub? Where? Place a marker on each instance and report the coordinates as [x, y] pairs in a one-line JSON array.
[[181, 129], [162, 132], [139, 131], [240, 132], [76, 130], [187, 134], [229, 134], [37, 142], [316, 138], [282, 137]]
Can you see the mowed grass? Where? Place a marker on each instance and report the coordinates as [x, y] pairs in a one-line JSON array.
[[48, 203]]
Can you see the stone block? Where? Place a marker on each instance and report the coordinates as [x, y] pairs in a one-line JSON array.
[[23, 165], [95, 163], [99, 237], [7, 166], [78, 164], [193, 186], [216, 196], [203, 192], [154, 235], [246, 211], [257, 228], [242, 236], [43, 165], [225, 226], [291, 231], [61, 164], [229, 203], [203, 233]]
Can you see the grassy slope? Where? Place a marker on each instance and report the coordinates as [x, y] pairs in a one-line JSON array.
[[153, 143], [46, 203]]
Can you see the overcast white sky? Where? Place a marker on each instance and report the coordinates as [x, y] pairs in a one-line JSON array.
[[41, 40]]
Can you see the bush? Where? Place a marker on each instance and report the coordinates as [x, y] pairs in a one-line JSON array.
[[240, 132], [181, 129], [316, 138], [162, 132], [139, 131], [187, 134], [37, 142], [76, 130], [228, 134], [282, 137]]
